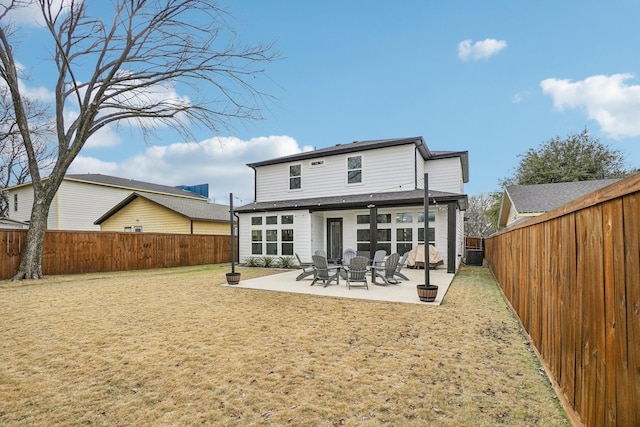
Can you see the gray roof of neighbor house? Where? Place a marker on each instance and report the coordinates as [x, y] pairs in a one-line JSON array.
[[131, 184], [351, 147], [538, 198], [193, 209], [357, 201]]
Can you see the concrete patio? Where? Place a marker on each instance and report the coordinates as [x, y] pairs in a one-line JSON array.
[[404, 291]]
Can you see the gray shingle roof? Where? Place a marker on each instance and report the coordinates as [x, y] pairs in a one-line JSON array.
[[545, 197], [131, 184], [192, 209], [357, 201]]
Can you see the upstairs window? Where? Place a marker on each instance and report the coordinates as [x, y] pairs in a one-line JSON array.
[[354, 170], [295, 177]]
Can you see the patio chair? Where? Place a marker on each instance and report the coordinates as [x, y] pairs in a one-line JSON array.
[[357, 271], [347, 256], [378, 257], [401, 263], [307, 268], [386, 271], [323, 272], [320, 252]]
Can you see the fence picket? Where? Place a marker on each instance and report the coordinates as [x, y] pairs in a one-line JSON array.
[[572, 276], [72, 252]]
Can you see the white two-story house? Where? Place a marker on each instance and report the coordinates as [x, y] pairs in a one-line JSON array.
[[365, 195]]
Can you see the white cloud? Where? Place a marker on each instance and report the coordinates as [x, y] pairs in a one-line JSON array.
[[220, 162], [31, 14], [608, 100], [469, 51]]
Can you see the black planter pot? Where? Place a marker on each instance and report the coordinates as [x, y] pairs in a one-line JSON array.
[[427, 293], [233, 278]]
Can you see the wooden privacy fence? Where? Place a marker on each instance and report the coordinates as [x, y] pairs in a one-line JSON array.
[[572, 276], [71, 252]]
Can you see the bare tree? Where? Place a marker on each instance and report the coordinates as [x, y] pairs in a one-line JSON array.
[[145, 48], [14, 165], [478, 222]]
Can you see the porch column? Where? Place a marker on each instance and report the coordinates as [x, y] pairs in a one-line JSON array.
[[451, 238], [373, 230]]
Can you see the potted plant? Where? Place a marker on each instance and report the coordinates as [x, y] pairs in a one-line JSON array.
[[233, 278], [427, 293]]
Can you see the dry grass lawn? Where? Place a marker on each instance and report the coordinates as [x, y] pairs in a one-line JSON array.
[[172, 348]]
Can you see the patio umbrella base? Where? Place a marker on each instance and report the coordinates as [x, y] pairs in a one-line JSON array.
[[233, 278], [427, 293]]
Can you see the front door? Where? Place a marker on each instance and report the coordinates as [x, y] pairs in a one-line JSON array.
[[334, 239]]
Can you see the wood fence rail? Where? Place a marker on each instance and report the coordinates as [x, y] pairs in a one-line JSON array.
[[72, 252], [572, 276]]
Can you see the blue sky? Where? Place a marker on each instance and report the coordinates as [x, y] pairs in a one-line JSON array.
[[494, 78]]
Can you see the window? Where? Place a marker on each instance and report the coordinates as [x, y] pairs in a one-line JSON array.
[[384, 239], [287, 242], [128, 229], [295, 179], [384, 218], [404, 237], [362, 219], [354, 170], [272, 242], [268, 238], [15, 203], [432, 216], [363, 237], [431, 234], [256, 239], [404, 217], [137, 229], [286, 219]]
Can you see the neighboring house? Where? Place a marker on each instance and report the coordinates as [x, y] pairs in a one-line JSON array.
[[326, 200], [81, 199], [521, 202], [11, 224], [157, 213]]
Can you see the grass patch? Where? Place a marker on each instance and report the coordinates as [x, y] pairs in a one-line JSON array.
[[171, 347]]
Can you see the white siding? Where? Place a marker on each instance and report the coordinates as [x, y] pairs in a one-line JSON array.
[[75, 206], [460, 247], [244, 236], [25, 201], [318, 233], [384, 169], [78, 205], [445, 175]]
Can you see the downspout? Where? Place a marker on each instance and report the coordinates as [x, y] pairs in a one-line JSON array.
[[415, 168]]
